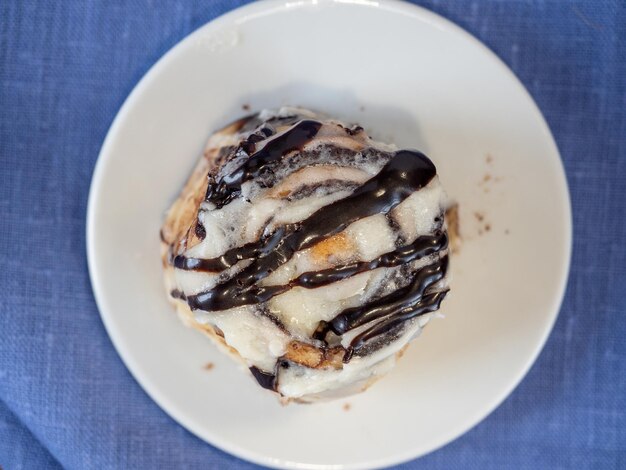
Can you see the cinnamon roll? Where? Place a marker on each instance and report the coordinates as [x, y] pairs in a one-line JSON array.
[[308, 251]]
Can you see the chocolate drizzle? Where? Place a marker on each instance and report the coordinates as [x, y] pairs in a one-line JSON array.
[[222, 192], [404, 172], [265, 379], [429, 303], [421, 247], [390, 310]]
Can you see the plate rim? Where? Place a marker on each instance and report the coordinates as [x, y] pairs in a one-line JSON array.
[[170, 407]]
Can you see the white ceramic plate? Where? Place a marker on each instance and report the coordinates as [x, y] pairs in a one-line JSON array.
[[408, 76]]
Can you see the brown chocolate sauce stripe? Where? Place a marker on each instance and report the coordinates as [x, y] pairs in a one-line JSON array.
[[421, 247], [233, 256], [429, 303], [265, 379], [405, 173], [389, 306], [237, 254], [295, 138], [410, 303]]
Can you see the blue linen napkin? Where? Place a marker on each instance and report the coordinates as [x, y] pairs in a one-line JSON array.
[[66, 399]]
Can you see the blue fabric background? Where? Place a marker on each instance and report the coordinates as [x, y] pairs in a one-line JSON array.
[[66, 399]]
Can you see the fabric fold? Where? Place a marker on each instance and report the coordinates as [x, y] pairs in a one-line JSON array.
[[19, 448]]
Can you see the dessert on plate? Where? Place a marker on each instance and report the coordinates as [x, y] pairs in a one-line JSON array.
[[308, 251]]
